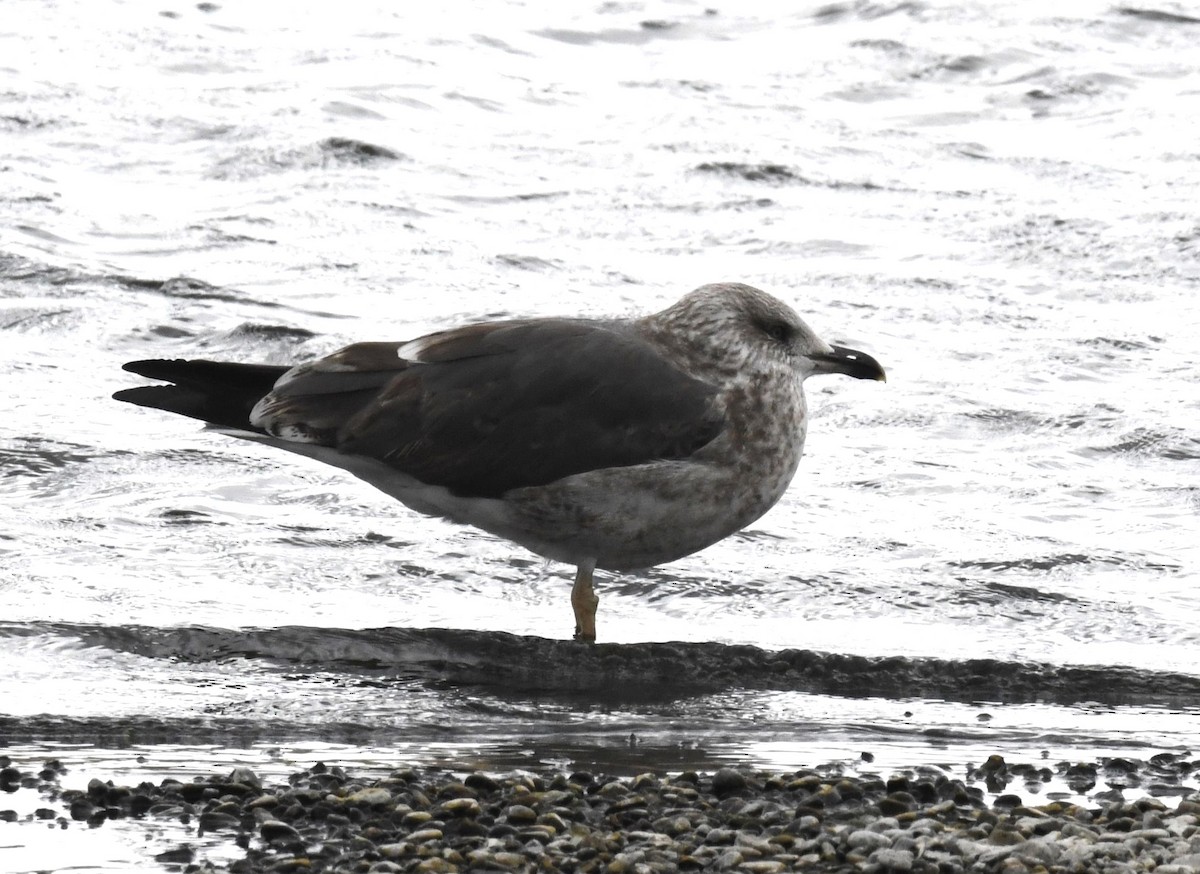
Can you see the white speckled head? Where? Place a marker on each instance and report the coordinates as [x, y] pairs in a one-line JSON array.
[[737, 327]]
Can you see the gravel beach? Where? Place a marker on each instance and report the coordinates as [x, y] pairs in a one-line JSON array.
[[421, 820]]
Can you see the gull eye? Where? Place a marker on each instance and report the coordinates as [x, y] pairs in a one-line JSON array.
[[779, 331]]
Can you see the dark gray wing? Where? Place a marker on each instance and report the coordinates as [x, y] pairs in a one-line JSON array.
[[493, 407]]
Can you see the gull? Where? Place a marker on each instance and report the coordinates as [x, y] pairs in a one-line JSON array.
[[617, 444]]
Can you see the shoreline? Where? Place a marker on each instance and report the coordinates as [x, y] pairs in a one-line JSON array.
[[326, 818]]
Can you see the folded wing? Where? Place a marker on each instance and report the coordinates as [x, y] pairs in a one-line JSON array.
[[481, 409]]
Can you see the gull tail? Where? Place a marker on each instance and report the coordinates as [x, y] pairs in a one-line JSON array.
[[211, 391]]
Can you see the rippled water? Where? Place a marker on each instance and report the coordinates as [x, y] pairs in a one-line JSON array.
[[996, 551]]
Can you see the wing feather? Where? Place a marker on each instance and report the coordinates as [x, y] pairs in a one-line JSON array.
[[489, 408]]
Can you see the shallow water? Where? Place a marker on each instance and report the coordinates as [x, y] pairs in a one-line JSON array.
[[996, 200]]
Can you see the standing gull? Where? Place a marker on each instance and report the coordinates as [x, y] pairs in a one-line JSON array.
[[605, 443]]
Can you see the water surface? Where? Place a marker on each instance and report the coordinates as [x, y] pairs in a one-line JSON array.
[[996, 551]]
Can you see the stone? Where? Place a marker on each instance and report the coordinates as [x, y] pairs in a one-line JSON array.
[[395, 850], [273, 830], [728, 860], [866, 841], [520, 814], [372, 796], [218, 821], [426, 834], [459, 807], [244, 777], [887, 859], [727, 782], [436, 865]]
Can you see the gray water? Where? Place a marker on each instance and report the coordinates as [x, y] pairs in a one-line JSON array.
[[996, 551]]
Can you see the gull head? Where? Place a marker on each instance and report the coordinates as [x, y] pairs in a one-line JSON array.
[[739, 328]]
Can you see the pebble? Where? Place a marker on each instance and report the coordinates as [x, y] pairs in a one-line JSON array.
[[370, 797], [467, 807], [519, 813], [888, 859], [738, 820], [426, 834], [862, 839], [728, 782], [274, 830]]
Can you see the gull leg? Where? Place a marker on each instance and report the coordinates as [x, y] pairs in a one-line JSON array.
[[584, 601]]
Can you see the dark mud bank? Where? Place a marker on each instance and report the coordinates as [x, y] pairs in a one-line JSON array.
[[503, 663]]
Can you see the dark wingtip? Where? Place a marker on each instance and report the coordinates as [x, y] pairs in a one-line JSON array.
[[211, 391], [167, 369], [170, 398]]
